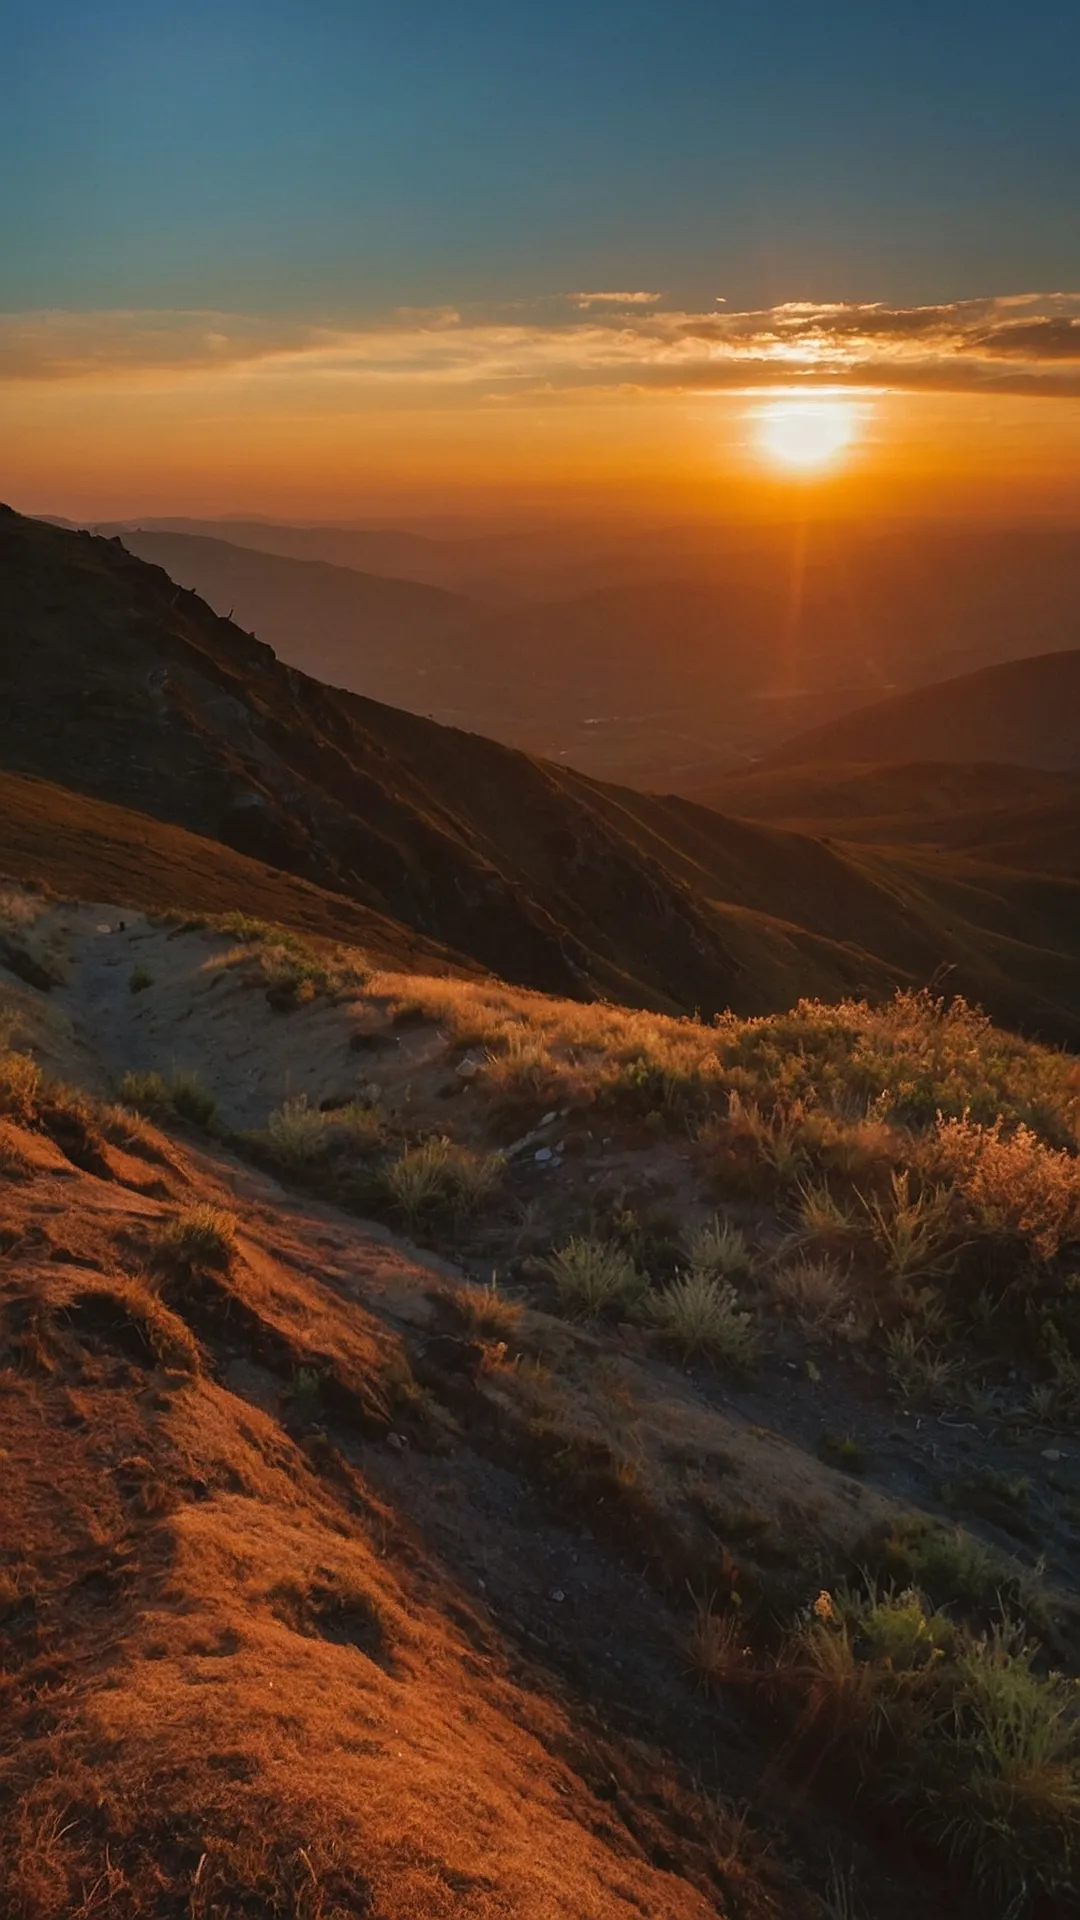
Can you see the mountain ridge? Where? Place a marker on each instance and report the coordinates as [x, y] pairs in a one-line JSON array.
[[130, 689]]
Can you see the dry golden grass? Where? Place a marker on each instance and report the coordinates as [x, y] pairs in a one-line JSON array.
[[1011, 1184], [203, 1234]]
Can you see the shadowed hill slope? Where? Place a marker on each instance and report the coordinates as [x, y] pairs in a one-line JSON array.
[[1013, 816], [1024, 712], [127, 688], [92, 850]]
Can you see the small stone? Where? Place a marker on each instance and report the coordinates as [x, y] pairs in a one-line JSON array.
[[557, 1593], [396, 1442], [548, 1118], [1052, 1453], [543, 1155], [469, 1068]]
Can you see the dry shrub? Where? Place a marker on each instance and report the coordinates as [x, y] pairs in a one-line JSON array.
[[817, 1294], [1011, 1183]]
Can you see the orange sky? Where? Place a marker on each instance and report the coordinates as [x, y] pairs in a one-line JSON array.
[[628, 408]]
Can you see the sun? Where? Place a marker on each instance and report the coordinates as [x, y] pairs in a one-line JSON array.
[[806, 432]]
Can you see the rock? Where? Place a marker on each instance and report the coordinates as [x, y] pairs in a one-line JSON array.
[[1052, 1453], [548, 1119], [543, 1155], [470, 1068], [397, 1442]]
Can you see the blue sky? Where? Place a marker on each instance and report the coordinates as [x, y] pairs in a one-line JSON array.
[[330, 160]]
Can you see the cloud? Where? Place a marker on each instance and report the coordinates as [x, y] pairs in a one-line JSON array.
[[614, 299], [1027, 343]]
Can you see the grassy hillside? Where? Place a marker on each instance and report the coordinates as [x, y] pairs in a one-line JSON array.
[[91, 850], [1012, 816], [1023, 712], [680, 1522], [123, 686]]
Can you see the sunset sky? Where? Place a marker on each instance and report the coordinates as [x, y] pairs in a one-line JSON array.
[[342, 260]]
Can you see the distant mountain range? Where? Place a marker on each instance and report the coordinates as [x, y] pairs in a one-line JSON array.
[[118, 684], [1026, 711], [662, 658]]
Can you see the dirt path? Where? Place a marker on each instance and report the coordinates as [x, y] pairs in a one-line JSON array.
[[195, 1015]]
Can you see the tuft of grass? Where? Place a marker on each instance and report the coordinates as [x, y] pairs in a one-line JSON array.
[[182, 1093], [912, 1232], [816, 1294], [719, 1248], [20, 1086], [716, 1653], [484, 1310], [591, 1275], [440, 1178], [146, 1092], [825, 1221], [297, 1132], [139, 979], [920, 1374], [698, 1313], [202, 1235], [191, 1101]]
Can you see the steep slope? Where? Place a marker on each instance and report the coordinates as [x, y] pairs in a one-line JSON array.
[[129, 689], [1024, 712], [375, 635]]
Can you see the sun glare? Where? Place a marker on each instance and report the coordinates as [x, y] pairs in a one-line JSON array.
[[806, 433]]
